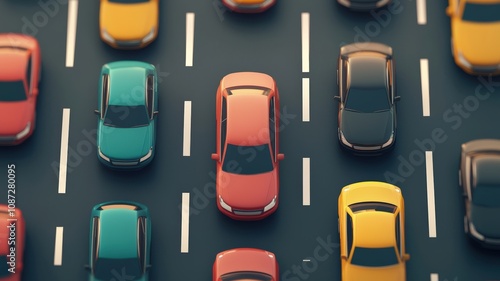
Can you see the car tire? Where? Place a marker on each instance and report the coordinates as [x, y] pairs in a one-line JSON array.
[[460, 178], [466, 225]]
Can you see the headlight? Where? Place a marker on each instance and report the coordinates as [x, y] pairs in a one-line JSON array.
[[102, 155], [224, 205], [463, 61], [150, 36], [270, 205], [145, 157], [24, 132], [389, 142], [106, 36]]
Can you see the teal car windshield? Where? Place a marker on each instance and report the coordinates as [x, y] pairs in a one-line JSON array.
[[111, 269], [120, 116]]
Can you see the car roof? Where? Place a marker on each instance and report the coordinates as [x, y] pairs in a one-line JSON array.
[[14, 63], [374, 229], [247, 120], [118, 234], [127, 85], [367, 71]]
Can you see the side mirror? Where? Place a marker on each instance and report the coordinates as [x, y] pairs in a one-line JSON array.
[[337, 98], [35, 91], [97, 112], [148, 266], [215, 156], [86, 266], [397, 98], [281, 156], [344, 257], [449, 11], [155, 113], [406, 257]]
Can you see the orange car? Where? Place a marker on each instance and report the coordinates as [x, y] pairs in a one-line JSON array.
[[475, 35], [248, 6], [245, 264], [128, 24], [20, 70], [247, 115], [12, 227]]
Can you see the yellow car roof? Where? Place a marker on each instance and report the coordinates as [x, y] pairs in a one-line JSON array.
[[374, 229]]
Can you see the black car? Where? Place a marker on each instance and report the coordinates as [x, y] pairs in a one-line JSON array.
[[367, 100], [364, 5], [479, 177]]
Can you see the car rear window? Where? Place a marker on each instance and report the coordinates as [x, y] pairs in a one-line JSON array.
[[374, 257], [128, 1]]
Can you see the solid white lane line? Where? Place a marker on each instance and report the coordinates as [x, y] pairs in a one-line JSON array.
[[306, 260], [63, 160], [431, 207], [434, 277], [305, 41], [189, 39], [306, 181], [58, 247], [305, 99], [71, 32], [186, 148], [421, 12], [185, 223], [424, 82]]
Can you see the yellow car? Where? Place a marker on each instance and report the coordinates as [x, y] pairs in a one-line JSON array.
[[128, 24], [371, 228], [475, 35]]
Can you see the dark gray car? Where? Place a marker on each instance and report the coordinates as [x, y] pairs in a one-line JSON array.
[[479, 177], [364, 5], [367, 100]]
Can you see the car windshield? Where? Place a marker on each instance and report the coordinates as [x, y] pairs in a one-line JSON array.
[[4, 267], [374, 257], [128, 1], [246, 276], [477, 12], [12, 91], [367, 100], [117, 269], [247, 160], [486, 195], [372, 206], [126, 116]]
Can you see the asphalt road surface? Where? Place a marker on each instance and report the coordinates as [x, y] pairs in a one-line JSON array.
[[296, 42]]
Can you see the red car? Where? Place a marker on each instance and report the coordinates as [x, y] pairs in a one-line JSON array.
[[247, 115], [245, 264], [248, 6], [12, 227], [20, 63]]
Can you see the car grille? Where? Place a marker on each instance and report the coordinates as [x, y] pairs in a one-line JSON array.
[[128, 44], [247, 212], [485, 69], [124, 163]]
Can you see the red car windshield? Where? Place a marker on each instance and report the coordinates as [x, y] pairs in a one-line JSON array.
[[12, 91], [247, 160]]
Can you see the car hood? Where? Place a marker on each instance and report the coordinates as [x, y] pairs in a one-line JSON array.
[[478, 42], [484, 220], [256, 261], [367, 128], [125, 143], [247, 192], [386, 273], [14, 116], [128, 21]]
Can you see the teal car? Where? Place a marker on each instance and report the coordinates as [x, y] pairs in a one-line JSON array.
[[127, 109], [120, 242]]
